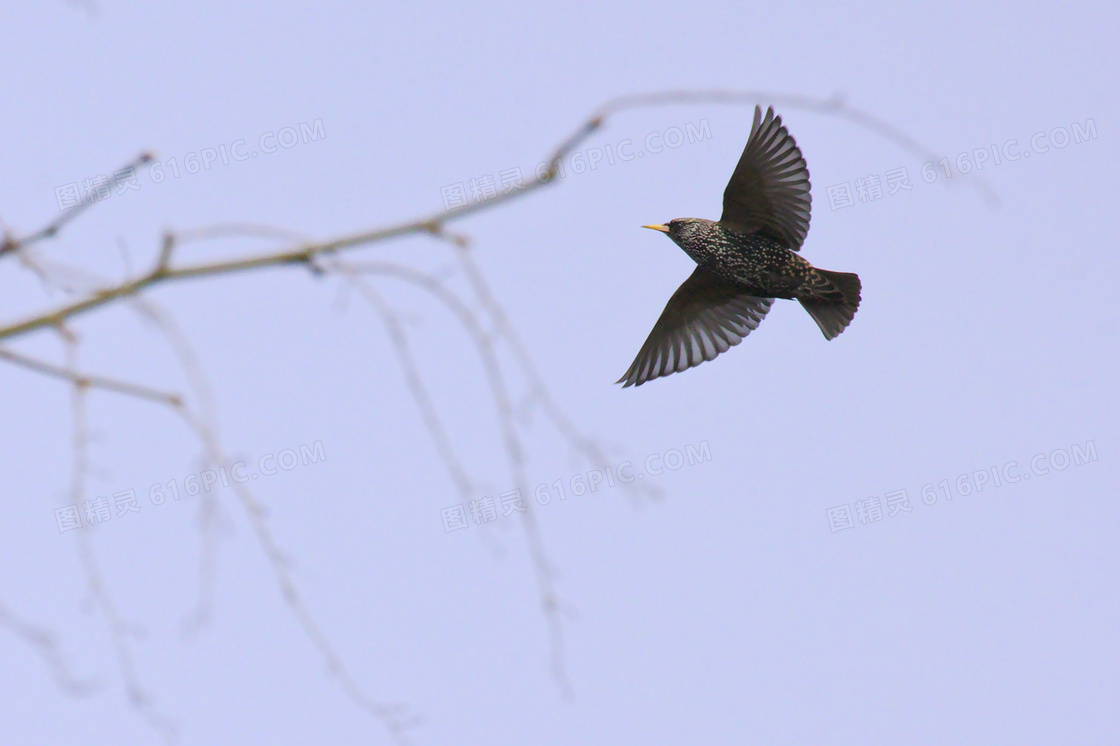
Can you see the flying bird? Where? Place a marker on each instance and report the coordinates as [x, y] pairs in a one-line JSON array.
[[745, 260]]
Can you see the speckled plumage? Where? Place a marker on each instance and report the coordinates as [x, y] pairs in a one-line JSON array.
[[760, 264], [745, 260]]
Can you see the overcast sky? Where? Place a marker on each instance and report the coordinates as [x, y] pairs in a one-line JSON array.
[[904, 535]]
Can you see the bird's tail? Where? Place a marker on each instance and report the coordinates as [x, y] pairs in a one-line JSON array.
[[833, 302]]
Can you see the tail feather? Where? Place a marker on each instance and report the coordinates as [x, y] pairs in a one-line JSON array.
[[834, 301]]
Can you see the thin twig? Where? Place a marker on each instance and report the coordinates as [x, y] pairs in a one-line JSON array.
[[240, 230], [538, 390], [395, 718], [835, 106], [543, 569], [84, 380], [209, 513], [428, 413], [419, 390], [433, 223], [45, 644], [99, 591], [11, 244], [307, 254]]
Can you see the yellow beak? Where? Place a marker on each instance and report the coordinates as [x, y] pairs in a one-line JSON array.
[[662, 228]]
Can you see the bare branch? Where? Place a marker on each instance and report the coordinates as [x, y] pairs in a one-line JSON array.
[[208, 508], [543, 570], [11, 244], [395, 718], [434, 223], [45, 644], [835, 106], [420, 393], [315, 256], [240, 230], [538, 390], [98, 382], [99, 592]]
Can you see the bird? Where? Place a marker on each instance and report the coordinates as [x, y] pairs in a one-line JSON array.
[[744, 261]]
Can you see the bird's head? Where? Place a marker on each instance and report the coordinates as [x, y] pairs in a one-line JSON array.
[[679, 227]]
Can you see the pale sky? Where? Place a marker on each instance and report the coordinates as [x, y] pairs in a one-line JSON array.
[[843, 555]]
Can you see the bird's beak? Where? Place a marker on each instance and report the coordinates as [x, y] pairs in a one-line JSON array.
[[662, 228]]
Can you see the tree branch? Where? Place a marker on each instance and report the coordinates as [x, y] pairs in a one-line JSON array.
[[319, 255]]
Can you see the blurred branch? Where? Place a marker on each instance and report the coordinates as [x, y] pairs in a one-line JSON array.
[[119, 630], [88, 381], [208, 509], [45, 644], [318, 257], [550, 602], [434, 223], [301, 255], [539, 392], [395, 718], [10, 244], [835, 106], [432, 421]]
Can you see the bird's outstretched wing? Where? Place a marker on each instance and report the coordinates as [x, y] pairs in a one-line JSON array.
[[706, 316], [769, 191]]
